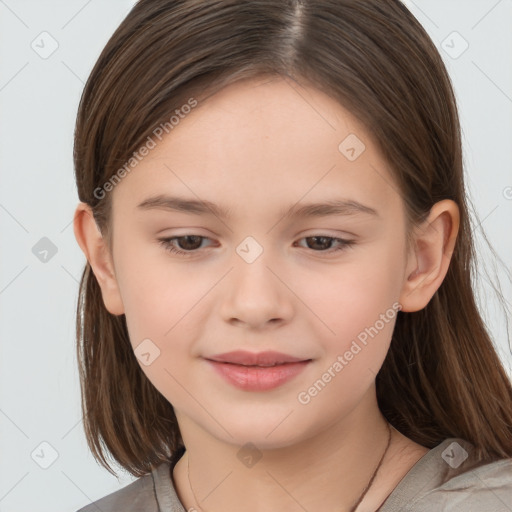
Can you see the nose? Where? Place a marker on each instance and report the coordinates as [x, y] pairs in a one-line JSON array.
[[257, 294]]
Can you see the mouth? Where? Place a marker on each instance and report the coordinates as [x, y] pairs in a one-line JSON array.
[[257, 371], [261, 359]]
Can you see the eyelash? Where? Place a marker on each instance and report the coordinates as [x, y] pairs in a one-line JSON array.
[[168, 245]]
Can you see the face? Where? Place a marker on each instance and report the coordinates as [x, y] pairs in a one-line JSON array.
[[321, 286]]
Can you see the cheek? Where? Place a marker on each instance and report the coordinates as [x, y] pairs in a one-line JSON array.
[[358, 304], [356, 301], [157, 295], [161, 309], [166, 306]]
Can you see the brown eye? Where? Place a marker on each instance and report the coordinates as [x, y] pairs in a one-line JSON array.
[[321, 243], [188, 245], [189, 242]]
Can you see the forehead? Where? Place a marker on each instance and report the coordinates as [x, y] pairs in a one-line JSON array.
[[263, 141]]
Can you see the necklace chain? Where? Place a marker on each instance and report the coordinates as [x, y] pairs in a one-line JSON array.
[[353, 509]]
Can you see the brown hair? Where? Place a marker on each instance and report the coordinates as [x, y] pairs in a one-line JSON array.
[[442, 376]]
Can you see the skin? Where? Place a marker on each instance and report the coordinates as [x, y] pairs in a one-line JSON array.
[[256, 147]]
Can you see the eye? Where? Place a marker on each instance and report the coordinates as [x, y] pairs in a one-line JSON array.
[[321, 241], [191, 243]]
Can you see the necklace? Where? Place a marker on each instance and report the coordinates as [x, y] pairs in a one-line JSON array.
[[353, 509]]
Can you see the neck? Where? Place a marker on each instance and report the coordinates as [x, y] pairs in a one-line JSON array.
[[327, 471]]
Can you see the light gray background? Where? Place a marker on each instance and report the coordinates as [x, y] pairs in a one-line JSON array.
[[39, 388]]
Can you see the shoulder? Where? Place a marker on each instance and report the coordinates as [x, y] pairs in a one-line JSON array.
[[451, 479], [136, 496], [485, 488], [466, 484]]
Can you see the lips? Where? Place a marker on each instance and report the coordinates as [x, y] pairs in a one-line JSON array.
[[268, 358], [261, 371]]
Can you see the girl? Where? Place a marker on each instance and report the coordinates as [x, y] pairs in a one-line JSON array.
[[277, 309]]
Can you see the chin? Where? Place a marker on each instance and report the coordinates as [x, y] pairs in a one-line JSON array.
[[265, 432]]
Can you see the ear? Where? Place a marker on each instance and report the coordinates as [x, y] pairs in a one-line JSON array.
[[96, 251], [430, 255]]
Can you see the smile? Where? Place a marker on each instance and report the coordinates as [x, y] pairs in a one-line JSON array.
[[258, 377]]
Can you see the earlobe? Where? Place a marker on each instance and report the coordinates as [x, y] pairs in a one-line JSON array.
[[428, 261], [95, 249]]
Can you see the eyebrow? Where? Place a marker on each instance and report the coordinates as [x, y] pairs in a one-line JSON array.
[[343, 207]]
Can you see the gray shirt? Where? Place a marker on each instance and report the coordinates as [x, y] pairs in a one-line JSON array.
[[447, 478]]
